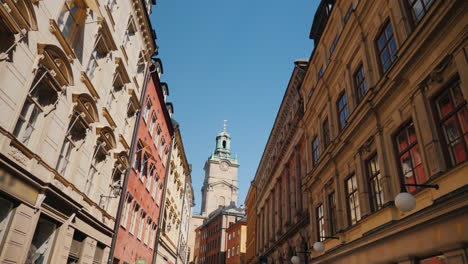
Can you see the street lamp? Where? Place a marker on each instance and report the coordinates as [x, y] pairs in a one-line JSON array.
[[295, 260], [318, 247], [405, 201]]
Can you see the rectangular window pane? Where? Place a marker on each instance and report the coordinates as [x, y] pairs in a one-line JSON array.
[[42, 241]]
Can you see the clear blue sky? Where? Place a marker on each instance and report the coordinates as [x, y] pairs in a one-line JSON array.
[[229, 60]]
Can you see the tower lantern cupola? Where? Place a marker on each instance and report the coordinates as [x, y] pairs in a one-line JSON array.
[[223, 143]]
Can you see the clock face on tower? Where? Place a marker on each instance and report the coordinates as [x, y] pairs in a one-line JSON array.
[[223, 166]]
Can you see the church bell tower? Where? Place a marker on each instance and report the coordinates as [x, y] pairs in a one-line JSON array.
[[220, 184]]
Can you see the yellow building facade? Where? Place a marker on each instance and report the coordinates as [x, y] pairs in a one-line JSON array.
[[385, 112]]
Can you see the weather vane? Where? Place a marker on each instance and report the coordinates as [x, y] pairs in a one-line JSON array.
[[224, 129]]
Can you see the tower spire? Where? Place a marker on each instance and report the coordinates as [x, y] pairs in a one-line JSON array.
[[224, 125]]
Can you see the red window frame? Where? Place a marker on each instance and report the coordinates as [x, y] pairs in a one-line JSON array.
[[452, 118], [409, 157]]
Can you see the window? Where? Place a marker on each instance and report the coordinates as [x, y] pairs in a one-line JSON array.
[[100, 154], [419, 8], [42, 241], [157, 136], [332, 213], [354, 213], [229, 236], [333, 45], [136, 207], [441, 259], [386, 47], [147, 231], [229, 253], [43, 93], [155, 185], [320, 220], [100, 51], [375, 183], [410, 159], [360, 83], [147, 110], [64, 157], [76, 247], [99, 253], [166, 154], [129, 32], [144, 167], [6, 207], [453, 121], [151, 126], [320, 73], [71, 23], [161, 147], [315, 151], [343, 114], [348, 13], [326, 133], [137, 161], [126, 207], [150, 177], [153, 235]]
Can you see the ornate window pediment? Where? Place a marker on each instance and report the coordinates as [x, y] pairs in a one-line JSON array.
[[85, 104], [55, 60]]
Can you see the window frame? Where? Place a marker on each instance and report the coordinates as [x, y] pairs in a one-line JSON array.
[[326, 133], [382, 30], [409, 9], [376, 198], [332, 212], [357, 209], [446, 148], [405, 125], [359, 84], [315, 150], [320, 222], [344, 109]]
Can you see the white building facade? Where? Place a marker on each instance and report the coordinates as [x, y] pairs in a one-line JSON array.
[[71, 75], [172, 241]]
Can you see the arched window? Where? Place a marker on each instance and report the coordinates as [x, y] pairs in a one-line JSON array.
[[224, 143], [84, 114], [104, 144], [51, 76], [16, 18]]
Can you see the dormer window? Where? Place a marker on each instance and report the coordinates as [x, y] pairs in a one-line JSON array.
[[165, 90]]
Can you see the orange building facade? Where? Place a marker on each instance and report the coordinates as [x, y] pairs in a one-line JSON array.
[[236, 236], [251, 245]]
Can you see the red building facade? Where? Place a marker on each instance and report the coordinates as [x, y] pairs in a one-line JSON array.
[[140, 210]]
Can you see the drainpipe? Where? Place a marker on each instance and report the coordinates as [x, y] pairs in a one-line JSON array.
[[163, 202], [127, 173]]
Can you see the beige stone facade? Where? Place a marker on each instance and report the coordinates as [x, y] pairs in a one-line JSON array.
[[385, 108], [280, 208], [173, 238], [71, 73]]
